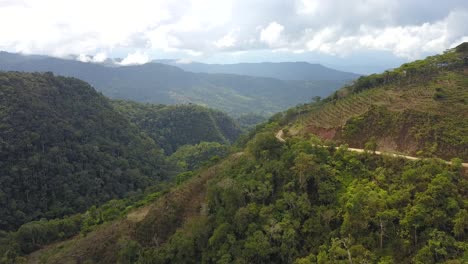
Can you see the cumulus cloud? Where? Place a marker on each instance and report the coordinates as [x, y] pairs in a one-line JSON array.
[[134, 29], [271, 35], [228, 40], [98, 58], [135, 58], [410, 41]]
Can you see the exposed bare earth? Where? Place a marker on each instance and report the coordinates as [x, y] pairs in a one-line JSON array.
[[280, 136]]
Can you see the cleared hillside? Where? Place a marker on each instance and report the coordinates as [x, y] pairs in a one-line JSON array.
[[420, 108]]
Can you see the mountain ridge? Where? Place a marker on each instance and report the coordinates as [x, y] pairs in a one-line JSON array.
[[160, 83], [299, 70], [293, 200]]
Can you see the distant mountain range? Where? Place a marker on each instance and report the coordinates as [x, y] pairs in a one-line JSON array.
[[166, 84], [280, 70]]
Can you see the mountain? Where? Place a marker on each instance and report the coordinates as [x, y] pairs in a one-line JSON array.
[[174, 126], [279, 70], [165, 84], [274, 202], [420, 108], [63, 148], [58, 136], [290, 199]]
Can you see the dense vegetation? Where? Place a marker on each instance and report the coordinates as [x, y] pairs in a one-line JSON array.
[[296, 203], [174, 126], [250, 120], [190, 157], [35, 234], [164, 84], [63, 148], [299, 201], [305, 204]]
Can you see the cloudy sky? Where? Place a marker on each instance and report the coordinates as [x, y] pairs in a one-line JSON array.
[[381, 33]]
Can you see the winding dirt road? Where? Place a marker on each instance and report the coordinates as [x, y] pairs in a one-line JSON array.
[[280, 136]]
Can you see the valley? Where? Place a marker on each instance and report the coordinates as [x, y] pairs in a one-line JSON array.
[[374, 173], [233, 132]]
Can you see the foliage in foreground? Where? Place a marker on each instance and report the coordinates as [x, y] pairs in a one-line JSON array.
[[300, 203]]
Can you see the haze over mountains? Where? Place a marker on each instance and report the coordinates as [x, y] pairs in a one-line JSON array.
[[234, 132], [279, 70], [161, 83], [293, 199]]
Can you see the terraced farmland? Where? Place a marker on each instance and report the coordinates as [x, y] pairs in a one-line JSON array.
[[451, 86]]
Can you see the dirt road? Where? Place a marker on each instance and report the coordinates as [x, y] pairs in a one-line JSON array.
[[280, 136]]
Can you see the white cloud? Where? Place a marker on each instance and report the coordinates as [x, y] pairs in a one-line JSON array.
[[404, 41], [76, 27], [228, 40], [101, 29], [135, 58], [309, 7], [84, 58], [271, 35], [184, 61], [98, 58]]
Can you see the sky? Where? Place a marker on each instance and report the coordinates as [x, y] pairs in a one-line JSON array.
[[356, 35]]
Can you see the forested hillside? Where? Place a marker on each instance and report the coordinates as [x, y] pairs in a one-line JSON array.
[[63, 148], [164, 84], [296, 199], [250, 147], [420, 108], [293, 202], [174, 126]]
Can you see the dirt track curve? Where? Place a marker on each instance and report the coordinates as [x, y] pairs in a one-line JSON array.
[[280, 136]]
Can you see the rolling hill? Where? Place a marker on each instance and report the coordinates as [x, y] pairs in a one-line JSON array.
[[165, 84]]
